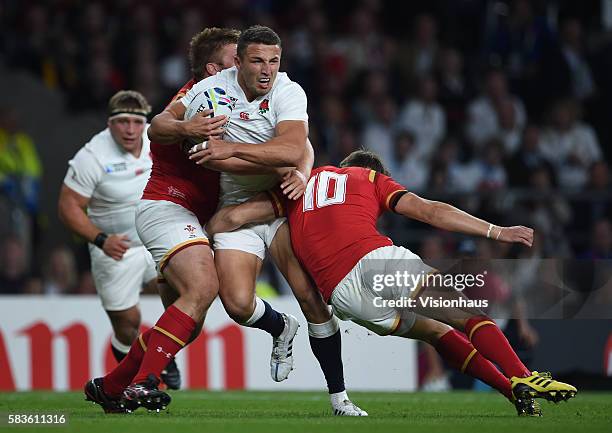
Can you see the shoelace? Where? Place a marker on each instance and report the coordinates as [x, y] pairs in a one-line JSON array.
[[544, 374], [278, 344]]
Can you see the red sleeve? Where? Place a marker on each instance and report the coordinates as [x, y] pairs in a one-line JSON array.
[[388, 191]]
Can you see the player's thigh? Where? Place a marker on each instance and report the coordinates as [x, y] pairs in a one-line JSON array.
[[118, 282], [354, 299], [311, 302], [191, 272], [237, 272]]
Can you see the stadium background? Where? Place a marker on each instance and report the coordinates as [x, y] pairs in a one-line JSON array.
[[469, 101]]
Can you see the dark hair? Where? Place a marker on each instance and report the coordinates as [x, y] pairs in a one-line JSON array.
[[205, 45], [365, 159], [128, 101], [257, 35]]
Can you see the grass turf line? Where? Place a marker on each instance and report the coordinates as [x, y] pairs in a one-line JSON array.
[[255, 412]]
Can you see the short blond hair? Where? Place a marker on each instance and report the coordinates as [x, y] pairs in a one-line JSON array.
[[128, 102], [204, 48]]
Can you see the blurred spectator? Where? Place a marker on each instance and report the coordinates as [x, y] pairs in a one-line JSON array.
[[482, 115], [60, 275], [509, 129], [599, 177], [454, 87], [330, 118], [527, 158], [601, 241], [516, 41], [418, 56], [565, 70], [406, 167], [86, 285], [15, 277], [379, 132], [424, 118], [375, 89], [20, 167], [20, 176], [570, 145], [491, 171], [548, 211]]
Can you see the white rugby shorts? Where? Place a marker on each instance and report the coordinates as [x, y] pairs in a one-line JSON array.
[[252, 238], [119, 283], [356, 299], [166, 228]]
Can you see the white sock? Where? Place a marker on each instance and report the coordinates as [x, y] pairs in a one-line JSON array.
[[123, 348], [260, 309], [338, 397]]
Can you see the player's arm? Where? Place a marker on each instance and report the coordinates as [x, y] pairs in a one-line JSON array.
[[169, 126], [294, 179], [447, 217], [285, 149], [71, 211], [258, 209]]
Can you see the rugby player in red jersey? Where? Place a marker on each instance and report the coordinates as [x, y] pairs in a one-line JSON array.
[[177, 200], [334, 235]]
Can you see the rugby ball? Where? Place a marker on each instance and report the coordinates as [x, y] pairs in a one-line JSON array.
[[215, 99]]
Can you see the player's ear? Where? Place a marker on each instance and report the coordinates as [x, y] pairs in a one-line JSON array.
[[237, 61], [211, 69]]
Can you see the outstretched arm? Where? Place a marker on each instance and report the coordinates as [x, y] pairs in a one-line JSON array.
[[447, 217]]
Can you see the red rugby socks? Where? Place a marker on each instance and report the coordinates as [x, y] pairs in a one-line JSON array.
[[491, 342]]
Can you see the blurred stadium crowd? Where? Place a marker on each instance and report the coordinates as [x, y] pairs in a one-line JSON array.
[[501, 108]]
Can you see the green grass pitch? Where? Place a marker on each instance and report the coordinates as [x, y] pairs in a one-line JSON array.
[[254, 412]]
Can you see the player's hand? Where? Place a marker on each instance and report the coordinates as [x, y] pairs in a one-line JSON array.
[[294, 184], [115, 246], [211, 150], [203, 127], [516, 234]]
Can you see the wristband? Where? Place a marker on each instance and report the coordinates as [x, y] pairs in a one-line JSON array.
[[100, 239], [489, 231]]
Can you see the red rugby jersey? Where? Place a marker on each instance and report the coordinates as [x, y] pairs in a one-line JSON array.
[[177, 179], [333, 225]]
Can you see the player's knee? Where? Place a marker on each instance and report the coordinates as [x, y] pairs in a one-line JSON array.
[[239, 308], [126, 334]]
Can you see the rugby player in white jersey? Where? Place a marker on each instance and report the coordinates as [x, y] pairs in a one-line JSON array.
[[270, 110], [97, 201]]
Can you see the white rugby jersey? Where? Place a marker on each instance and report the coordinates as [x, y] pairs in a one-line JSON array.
[[113, 179], [253, 122]]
